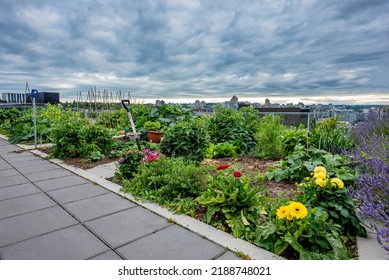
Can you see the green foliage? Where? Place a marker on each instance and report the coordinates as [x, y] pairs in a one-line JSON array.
[[330, 135], [187, 139], [222, 150], [293, 136], [269, 144], [77, 138], [236, 127], [311, 238], [166, 180], [302, 162], [129, 163], [335, 201], [8, 118], [153, 126], [232, 202]]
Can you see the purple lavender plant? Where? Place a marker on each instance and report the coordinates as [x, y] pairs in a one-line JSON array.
[[371, 188]]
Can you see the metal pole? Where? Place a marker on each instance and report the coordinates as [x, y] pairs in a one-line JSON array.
[[34, 110]]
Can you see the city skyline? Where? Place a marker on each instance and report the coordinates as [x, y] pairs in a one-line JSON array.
[[306, 51]]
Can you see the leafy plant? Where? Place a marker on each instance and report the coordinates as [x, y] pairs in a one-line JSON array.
[[293, 136], [167, 180], [128, 164], [301, 233], [223, 150], [330, 135], [231, 201], [152, 126], [328, 194], [302, 162], [187, 139], [235, 127], [269, 138]]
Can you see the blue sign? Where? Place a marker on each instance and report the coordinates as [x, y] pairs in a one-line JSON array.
[[34, 93]]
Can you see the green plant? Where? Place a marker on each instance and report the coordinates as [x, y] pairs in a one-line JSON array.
[[235, 127], [269, 144], [301, 163], [231, 202], [293, 136], [128, 164], [166, 180], [223, 150], [330, 135], [307, 235], [188, 139], [326, 193], [152, 125]]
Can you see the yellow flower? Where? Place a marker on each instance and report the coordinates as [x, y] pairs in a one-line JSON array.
[[297, 210], [320, 169], [320, 175], [336, 182], [283, 212], [320, 182]]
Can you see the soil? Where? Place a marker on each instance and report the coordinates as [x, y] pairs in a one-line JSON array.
[[251, 166]]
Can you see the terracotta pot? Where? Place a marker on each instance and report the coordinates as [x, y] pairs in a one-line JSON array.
[[154, 136]]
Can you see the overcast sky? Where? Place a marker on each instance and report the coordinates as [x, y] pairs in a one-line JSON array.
[[288, 51]]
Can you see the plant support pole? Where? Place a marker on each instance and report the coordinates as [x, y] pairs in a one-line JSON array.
[[34, 94]]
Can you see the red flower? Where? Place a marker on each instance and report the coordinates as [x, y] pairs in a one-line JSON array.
[[152, 157], [222, 166], [237, 174]]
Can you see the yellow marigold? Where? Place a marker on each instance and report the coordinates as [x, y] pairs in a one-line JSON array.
[[320, 175], [320, 169], [336, 182], [283, 212], [320, 182], [297, 210]]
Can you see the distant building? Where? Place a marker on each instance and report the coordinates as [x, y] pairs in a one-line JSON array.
[[267, 102], [42, 98], [234, 102], [159, 103]]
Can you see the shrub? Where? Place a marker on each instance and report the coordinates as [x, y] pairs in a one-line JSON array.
[[235, 127], [268, 138], [187, 139], [221, 150], [166, 180]]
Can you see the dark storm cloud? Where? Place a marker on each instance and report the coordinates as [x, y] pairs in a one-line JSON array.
[[199, 49]]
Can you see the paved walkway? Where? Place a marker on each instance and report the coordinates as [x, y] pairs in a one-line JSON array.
[[48, 213]]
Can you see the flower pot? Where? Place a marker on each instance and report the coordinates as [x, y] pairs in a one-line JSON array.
[[154, 136]]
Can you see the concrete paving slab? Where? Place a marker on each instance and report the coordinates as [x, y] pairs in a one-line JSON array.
[[228, 256], [61, 182], [20, 205], [172, 243], [16, 154], [98, 206], [76, 193], [110, 255], [370, 249], [32, 224], [129, 225], [18, 190], [104, 171], [12, 180], [8, 172], [45, 175], [21, 162], [72, 243], [4, 165], [43, 166], [8, 149]]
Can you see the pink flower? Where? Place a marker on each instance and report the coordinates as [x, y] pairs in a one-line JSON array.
[[152, 157], [222, 166], [122, 160], [237, 174]]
